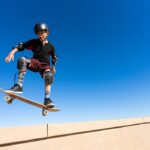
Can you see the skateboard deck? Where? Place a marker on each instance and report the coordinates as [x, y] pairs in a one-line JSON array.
[[11, 96]]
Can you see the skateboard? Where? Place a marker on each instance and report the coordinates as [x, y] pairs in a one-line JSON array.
[[11, 96]]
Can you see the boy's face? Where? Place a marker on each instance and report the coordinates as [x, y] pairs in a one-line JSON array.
[[42, 35]]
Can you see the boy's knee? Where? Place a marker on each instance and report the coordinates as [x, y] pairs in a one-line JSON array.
[[48, 76], [22, 63]]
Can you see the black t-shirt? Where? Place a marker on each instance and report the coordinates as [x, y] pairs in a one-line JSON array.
[[40, 52]]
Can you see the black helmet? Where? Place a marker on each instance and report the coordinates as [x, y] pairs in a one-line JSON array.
[[41, 27]]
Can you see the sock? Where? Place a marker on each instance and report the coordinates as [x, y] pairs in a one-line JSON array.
[[47, 94], [21, 78]]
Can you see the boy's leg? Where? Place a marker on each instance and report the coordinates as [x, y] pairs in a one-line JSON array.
[[22, 67], [48, 79], [47, 90]]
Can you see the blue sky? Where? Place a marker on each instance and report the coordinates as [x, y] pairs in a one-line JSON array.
[[103, 68]]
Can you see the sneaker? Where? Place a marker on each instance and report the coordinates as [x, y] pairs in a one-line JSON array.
[[48, 102], [16, 89]]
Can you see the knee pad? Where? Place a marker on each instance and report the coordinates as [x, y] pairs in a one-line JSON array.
[[48, 76], [22, 64]]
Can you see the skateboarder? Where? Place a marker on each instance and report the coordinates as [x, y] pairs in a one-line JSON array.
[[43, 51]]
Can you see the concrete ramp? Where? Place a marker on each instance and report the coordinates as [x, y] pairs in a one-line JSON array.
[[126, 134]]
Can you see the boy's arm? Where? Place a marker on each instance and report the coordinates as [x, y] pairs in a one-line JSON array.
[[11, 55], [53, 69], [54, 60], [19, 47]]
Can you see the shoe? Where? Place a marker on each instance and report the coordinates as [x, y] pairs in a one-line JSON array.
[[48, 102], [16, 89]]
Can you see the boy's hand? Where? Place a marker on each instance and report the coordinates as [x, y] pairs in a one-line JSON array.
[[9, 58], [11, 55], [53, 70]]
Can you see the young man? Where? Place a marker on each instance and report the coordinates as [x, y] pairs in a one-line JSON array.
[[42, 51]]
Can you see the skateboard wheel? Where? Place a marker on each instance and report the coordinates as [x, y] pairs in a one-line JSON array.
[[44, 112], [8, 99]]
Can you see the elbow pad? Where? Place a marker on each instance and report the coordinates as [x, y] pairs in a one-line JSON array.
[[20, 47], [54, 60]]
